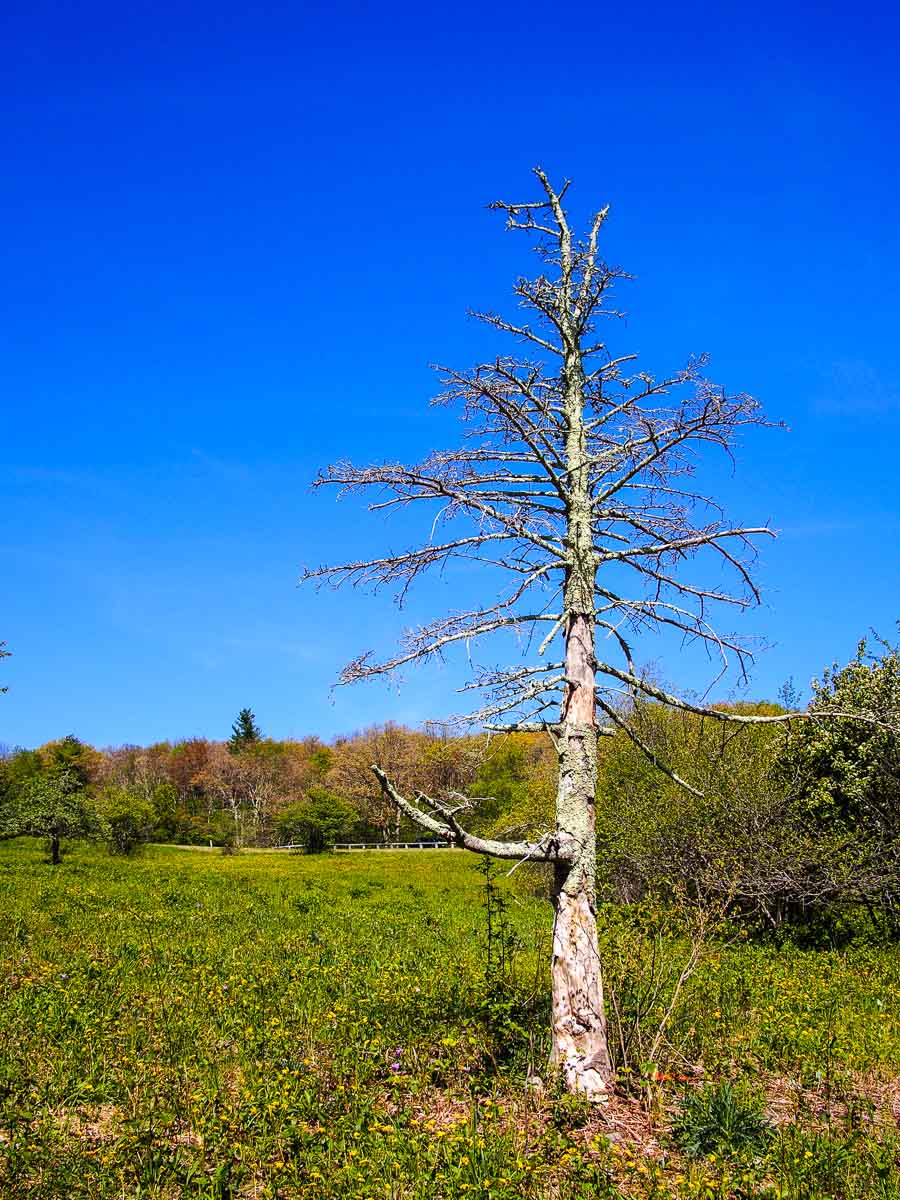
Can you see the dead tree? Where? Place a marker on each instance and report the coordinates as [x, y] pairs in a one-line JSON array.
[[573, 485]]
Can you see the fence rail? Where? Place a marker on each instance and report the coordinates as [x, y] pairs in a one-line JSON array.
[[350, 846], [393, 846]]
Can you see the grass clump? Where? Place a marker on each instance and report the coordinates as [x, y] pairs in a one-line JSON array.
[[720, 1119]]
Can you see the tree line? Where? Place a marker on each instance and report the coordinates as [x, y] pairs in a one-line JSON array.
[[247, 791], [781, 825]]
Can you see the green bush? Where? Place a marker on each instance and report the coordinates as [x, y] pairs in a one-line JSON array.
[[128, 820], [316, 821], [846, 774]]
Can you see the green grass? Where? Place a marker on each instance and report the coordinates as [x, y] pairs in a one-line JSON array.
[[270, 1025]]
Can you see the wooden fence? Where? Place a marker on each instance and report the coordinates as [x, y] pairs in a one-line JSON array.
[[349, 846]]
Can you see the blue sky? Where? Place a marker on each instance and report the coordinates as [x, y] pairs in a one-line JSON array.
[[233, 238]]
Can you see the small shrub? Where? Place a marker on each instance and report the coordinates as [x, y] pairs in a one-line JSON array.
[[506, 1010], [127, 820], [717, 1119], [316, 821]]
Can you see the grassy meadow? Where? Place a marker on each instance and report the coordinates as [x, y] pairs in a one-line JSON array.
[[195, 1024]]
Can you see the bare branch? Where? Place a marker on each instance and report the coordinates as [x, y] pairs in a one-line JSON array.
[[726, 716], [646, 749], [547, 849]]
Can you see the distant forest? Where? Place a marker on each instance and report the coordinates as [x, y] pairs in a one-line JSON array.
[[795, 823]]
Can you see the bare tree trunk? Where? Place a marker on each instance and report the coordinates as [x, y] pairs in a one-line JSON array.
[[580, 1049]]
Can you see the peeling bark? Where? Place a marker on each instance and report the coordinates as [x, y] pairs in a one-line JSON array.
[[580, 1049]]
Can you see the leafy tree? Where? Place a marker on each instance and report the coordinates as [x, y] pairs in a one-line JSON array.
[[716, 825], [19, 767], [317, 820], [504, 787], [128, 820], [786, 826], [244, 732], [169, 819], [320, 760], [846, 774], [185, 763], [70, 754], [246, 785], [55, 805], [351, 773]]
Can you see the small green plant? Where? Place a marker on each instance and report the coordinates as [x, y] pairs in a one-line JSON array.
[[505, 1010], [719, 1119], [500, 941]]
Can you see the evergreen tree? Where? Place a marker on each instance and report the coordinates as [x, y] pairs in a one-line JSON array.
[[244, 732]]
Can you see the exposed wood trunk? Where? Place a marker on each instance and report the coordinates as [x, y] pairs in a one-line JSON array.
[[580, 1049], [54, 850]]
